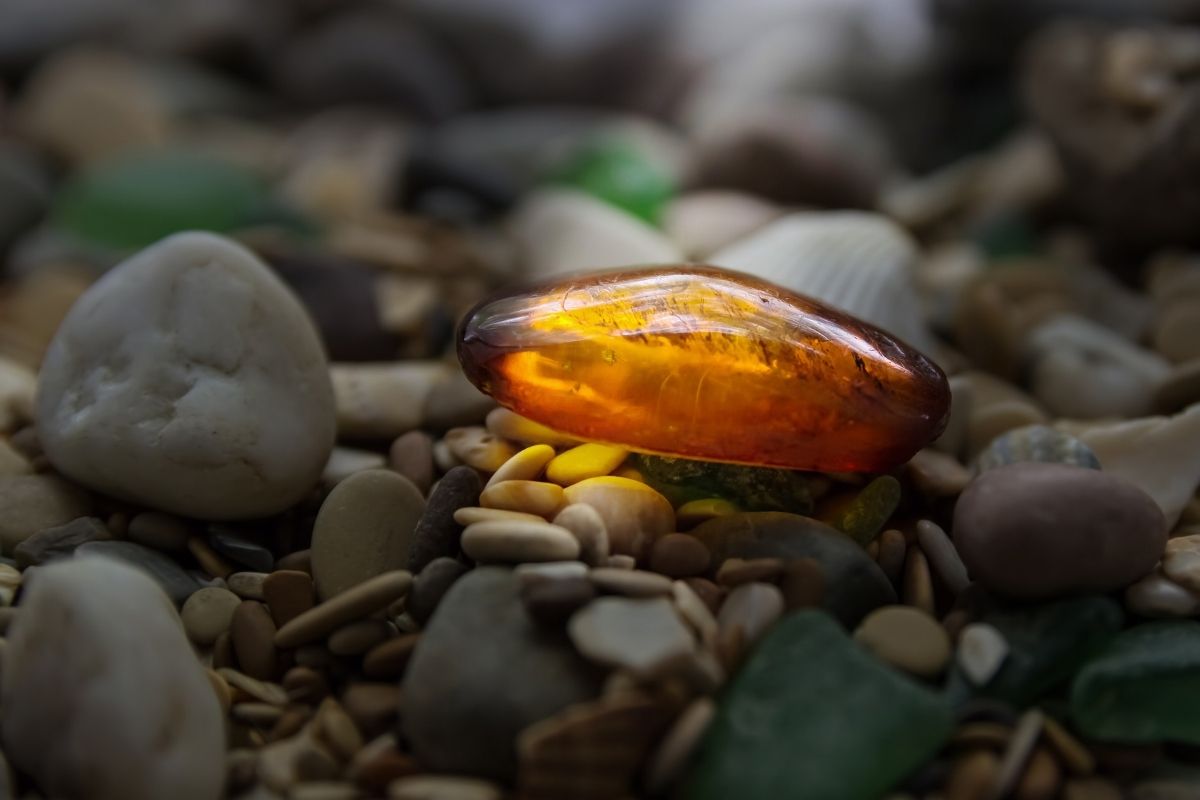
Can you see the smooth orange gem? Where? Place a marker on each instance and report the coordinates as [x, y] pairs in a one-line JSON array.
[[708, 364]]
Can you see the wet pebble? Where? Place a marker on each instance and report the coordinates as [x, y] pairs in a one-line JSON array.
[[439, 529], [906, 638]]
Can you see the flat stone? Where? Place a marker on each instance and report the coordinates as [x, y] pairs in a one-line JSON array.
[[354, 603], [288, 594], [365, 527], [552, 602], [483, 672], [247, 585], [630, 582], [32, 503], [412, 456], [253, 634], [906, 638], [240, 549], [748, 612], [589, 529], [515, 541], [345, 461], [469, 515], [438, 531], [634, 514], [532, 497], [208, 613], [643, 635], [525, 465], [678, 555], [92, 633], [248, 421], [431, 585], [59, 541], [176, 582]]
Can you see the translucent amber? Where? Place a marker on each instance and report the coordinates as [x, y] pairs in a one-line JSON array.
[[708, 364]]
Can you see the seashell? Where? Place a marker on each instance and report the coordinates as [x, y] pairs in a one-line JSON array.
[[1036, 443], [858, 262], [590, 751]]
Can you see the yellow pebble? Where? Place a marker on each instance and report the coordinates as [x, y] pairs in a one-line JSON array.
[[478, 448], [689, 515], [526, 465], [630, 472], [532, 497], [583, 462], [510, 425]]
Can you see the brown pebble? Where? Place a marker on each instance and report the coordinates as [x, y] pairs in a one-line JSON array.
[[209, 560], [379, 763], [736, 571], [334, 728], [118, 524], [160, 531], [373, 706], [987, 734], [630, 582], [1091, 789], [354, 603], [1041, 779], [553, 601], [803, 584], [315, 656], [388, 659], [301, 561], [253, 635], [679, 555], [305, 685], [1070, 751], [257, 714], [892, 548], [358, 637], [412, 456], [918, 583], [260, 690], [972, 776], [222, 653], [706, 590]]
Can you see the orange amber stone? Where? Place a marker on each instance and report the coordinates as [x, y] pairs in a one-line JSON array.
[[705, 363]]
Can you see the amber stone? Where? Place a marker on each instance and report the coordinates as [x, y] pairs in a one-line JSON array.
[[708, 364]]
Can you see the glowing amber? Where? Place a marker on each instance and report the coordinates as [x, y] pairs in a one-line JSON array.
[[708, 364]]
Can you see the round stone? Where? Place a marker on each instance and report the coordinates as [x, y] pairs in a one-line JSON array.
[[145, 396], [1033, 530], [907, 638], [679, 556], [365, 527], [643, 635], [207, 613], [515, 541], [634, 514]]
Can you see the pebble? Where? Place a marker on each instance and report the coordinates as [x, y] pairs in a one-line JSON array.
[[696, 612], [160, 531], [907, 638], [1181, 563], [529, 574], [981, 652], [12, 462], [532, 497], [208, 613], [92, 633], [585, 461], [678, 555], [265, 691], [389, 658], [517, 541], [1155, 595], [253, 634], [1180, 389], [365, 527], [31, 503], [382, 400], [438, 532], [358, 637], [802, 584], [59, 541], [412, 456], [736, 571], [589, 529], [477, 448], [634, 514], [165, 570], [554, 601], [240, 549], [469, 515], [642, 635], [1018, 751], [916, 587], [209, 560], [1035, 443], [670, 758], [345, 461], [431, 585], [701, 223], [1175, 330], [356, 602], [372, 706], [442, 787], [748, 612], [693, 512], [288, 594], [892, 550], [972, 776], [942, 556], [483, 672], [249, 420], [1034, 530], [937, 474], [512, 426], [247, 585], [525, 465]]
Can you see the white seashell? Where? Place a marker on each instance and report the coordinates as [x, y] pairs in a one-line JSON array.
[[859, 262]]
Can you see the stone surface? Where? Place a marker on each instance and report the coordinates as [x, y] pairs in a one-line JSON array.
[[735, 344], [1036, 443], [482, 672], [854, 584], [91, 635], [356, 602], [634, 514], [59, 541], [584, 461], [907, 638], [431, 585], [525, 465], [142, 397], [165, 570], [532, 497], [800, 714], [515, 541], [587, 526], [208, 613], [679, 555], [1035, 530], [643, 635], [32, 503], [437, 533], [240, 548], [365, 527]]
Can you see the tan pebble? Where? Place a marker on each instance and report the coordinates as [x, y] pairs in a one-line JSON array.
[[1186, 542], [260, 690], [942, 556], [253, 634], [533, 497], [972, 776], [334, 728], [222, 652], [802, 584], [221, 689], [160, 531], [442, 787], [585, 461], [443, 459], [643, 635], [12, 461], [667, 763], [751, 608], [247, 585], [347, 461], [892, 550], [510, 425], [678, 555], [587, 526], [981, 652], [469, 515], [1041, 779], [1156, 596], [736, 571], [298, 561], [372, 706], [209, 560], [621, 561], [525, 465], [917, 589], [1091, 789], [358, 637], [1183, 567], [354, 603], [380, 401], [258, 714], [993, 735], [514, 542], [1070, 751], [207, 613], [709, 592], [288, 593], [380, 762], [389, 659], [550, 571], [692, 513], [937, 474], [630, 582], [305, 685], [695, 612], [324, 790], [412, 456], [1017, 753], [477, 448], [907, 638], [634, 514]]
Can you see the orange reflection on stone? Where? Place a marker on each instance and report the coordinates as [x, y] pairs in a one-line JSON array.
[[705, 363]]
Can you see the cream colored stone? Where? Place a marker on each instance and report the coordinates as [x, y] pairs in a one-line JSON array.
[[634, 514], [382, 400], [477, 448], [514, 541]]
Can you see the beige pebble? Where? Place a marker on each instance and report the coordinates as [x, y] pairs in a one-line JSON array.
[[443, 459], [621, 561], [334, 727], [358, 637], [265, 691], [525, 465], [736, 571], [748, 612], [510, 425], [253, 633], [324, 790], [585, 461], [634, 514], [937, 474], [11, 579], [207, 613], [1183, 567], [892, 550], [372, 706], [1017, 753], [986, 423], [529, 574], [442, 787], [516, 541], [31, 503], [160, 531], [643, 635], [346, 461], [992, 735], [917, 587], [382, 401], [247, 585], [695, 612], [477, 448], [209, 559], [630, 582], [1157, 596], [469, 515], [942, 556], [367, 597], [533, 497], [981, 652], [678, 555], [907, 638], [587, 526], [676, 748]]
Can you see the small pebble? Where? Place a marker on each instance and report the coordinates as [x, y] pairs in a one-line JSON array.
[[972, 776], [335, 728], [209, 559], [643, 635], [676, 747], [59, 541], [253, 633], [514, 542], [906, 638], [981, 652], [588, 528], [31, 503], [554, 601], [208, 613], [288, 594], [630, 582], [477, 448], [1155, 595], [634, 514], [621, 561], [550, 571], [942, 556], [509, 425], [695, 612], [388, 659], [372, 706], [469, 515], [748, 612], [442, 787], [1041, 778], [358, 637], [240, 549], [431, 585], [533, 497], [525, 465], [892, 550], [678, 555], [412, 456], [583, 462], [354, 603], [917, 584], [247, 585], [802, 584], [736, 571], [1017, 753]]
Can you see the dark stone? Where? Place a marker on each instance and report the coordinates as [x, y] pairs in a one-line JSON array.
[[431, 585], [751, 488], [241, 549], [437, 534], [552, 602], [62, 540], [174, 580]]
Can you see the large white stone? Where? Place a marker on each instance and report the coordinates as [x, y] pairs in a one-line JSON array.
[[189, 379], [103, 698]]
